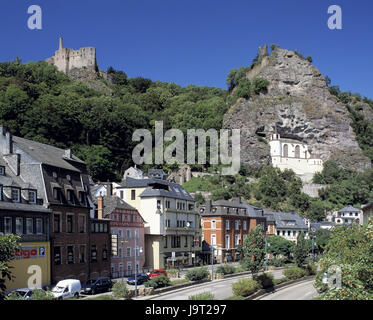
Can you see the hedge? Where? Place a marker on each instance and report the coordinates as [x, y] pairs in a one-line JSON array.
[[245, 287]]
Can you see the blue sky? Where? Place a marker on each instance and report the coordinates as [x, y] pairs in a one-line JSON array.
[[196, 42]]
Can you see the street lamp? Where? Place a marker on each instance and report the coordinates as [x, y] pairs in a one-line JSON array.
[[266, 245], [212, 265]]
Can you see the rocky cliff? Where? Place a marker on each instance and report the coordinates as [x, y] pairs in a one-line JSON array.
[[299, 105]]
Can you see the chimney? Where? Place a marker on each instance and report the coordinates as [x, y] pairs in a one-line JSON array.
[[237, 200], [100, 207], [208, 206], [6, 141], [61, 44], [109, 189], [68, 153]]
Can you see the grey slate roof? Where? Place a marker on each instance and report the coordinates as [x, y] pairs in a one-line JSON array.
[[281, 219], [253, 212], [169, 189], [23, 207], [318, 225], [349, 209], [113, 202], [46, 154]]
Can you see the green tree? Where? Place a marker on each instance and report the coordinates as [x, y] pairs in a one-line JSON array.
[[301, 250], [278, 245], [254, 251], [9, 245]]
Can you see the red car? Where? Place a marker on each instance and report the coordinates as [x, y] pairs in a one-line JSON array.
[[157, 273]]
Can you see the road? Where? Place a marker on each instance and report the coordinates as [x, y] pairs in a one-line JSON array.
[[300, 291], [221, 289]]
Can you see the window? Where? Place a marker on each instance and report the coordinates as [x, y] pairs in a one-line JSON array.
[[93, 254], [70, 223], [237, 224], [175, 241], [121, 194], [19, 225], [213, 239], [16, 195], [1, 193], [289, 233], [168, 223], [29, 226], [81, 224], [57, 255], [82, 198], [104, 253], [286, 151], [70, 254], [245, 225], [2, 170], [57, 223], [165, 245], [133, 194], [213, 224], [70, 195], [128, 252], [186, 241], [227, 226], [237, 239], [128, 234], [227, 241], [168, 204], [101, 227], [158, 204], [191, 207], [39, 226], [294, 233], [120, 233], [32, 196], [56, 194], [120, 252], [283, 232], [82, 254]]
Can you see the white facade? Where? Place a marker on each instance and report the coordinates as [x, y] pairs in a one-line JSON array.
[[294, 155]]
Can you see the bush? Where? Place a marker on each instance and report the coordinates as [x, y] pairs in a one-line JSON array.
[[279, 281], [295, 273], [225, 269], [197, 274], [311, 269], [265, 280], [276, 262], [158, 282], [235, 298], [245, 287], [202, 296], [179, 281], [120, 290], [173, 273]]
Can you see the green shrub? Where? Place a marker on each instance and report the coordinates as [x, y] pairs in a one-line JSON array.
[[311, 269], [245, 287], [241, 268], [276, 262], [173, 273], [197, 274], [225, 269], [265, 280], [279, 281], [202, 296], [120, 290], [179, 281], [295, 273], [158, 282], [235, 298]]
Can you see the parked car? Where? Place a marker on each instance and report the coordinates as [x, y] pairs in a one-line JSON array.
[[67, 289], [157, 273], [141, 278], [95, 285], [25, 293]]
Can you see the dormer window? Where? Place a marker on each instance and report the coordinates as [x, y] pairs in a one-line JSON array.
[[70, 195], [16, 195], [2, 171], [32, 196], [68, 178], [82, 197], [54, 174], [56, 194]]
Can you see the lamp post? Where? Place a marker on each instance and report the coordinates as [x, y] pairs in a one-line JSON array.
[[140, 250], [313, 253], [212, 263]]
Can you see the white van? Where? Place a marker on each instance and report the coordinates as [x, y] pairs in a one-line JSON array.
[[67, 289]]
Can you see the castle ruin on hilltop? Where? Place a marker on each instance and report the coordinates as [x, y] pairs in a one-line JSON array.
[[66, 59]]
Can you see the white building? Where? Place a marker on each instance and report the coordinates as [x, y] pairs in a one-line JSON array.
[[172, 228], [134, 173], [295, 155], [347, 215]]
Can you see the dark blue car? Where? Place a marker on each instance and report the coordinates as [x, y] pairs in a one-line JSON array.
[[141, 278]]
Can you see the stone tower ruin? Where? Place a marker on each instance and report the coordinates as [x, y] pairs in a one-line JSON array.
[[66, 59]]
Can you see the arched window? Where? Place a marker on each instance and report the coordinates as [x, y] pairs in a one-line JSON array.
[[297, 152], [286, 151]]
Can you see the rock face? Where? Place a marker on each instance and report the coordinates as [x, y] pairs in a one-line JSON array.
[[299, 105]]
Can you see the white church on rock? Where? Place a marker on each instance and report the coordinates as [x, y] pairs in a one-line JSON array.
[[293, 154]]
